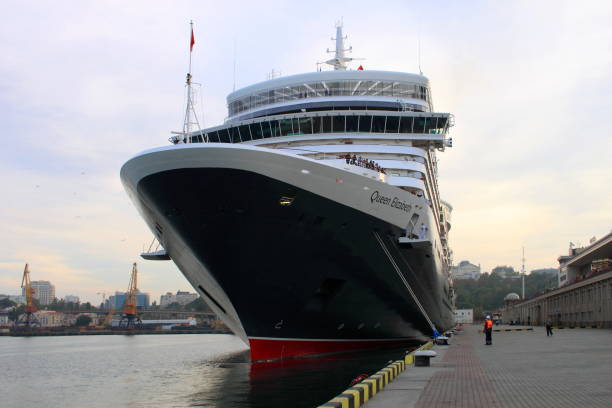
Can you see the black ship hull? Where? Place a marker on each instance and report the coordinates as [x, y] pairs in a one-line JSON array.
[[304, 274]]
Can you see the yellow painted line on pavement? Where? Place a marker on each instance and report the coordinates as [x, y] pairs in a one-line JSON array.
[[374, 383]]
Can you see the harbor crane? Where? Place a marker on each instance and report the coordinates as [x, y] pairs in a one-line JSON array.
[[130, 318], [28, 319]]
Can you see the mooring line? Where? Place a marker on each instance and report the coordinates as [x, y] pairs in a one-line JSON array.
[[399, 273]]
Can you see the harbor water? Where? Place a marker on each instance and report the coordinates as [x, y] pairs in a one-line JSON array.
[[187, 370]]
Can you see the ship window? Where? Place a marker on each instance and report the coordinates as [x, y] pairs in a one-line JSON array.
[[334, 88], [266, 130], [442, 123], [198, 138], [338, 123], [406, 124], [419, 125], [431, 125], [296, 126], [213, 137], [245, 133], [306, 125], [316, 124], [365, 124], [255, 130], [275, 128], [337, 88], [234, 137], [327, 124], [286, 127], [224, 136], [387, 89], [351, 123], [392, 124], [378, 124]]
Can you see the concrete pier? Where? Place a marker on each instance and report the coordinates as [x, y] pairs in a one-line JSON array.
[[572, 368]]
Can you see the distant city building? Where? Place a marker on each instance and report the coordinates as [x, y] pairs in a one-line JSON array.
[[182, 298], [118, 299], [14, 298], [50, 318], [71, 299], [164, 324], [44, 292], [4, 319], [504, 271], [464, 316], [465, 270]]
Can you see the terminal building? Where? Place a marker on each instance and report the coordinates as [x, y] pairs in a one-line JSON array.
[[465, 270], [584, 296]]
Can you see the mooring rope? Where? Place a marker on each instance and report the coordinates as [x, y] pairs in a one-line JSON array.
[[399, 273]]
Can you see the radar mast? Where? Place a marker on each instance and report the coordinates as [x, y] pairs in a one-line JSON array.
[[339, 61]]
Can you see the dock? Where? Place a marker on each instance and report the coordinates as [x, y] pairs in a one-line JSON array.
[[523, 368]]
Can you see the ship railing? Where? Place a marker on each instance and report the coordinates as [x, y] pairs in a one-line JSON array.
[[341, 159]]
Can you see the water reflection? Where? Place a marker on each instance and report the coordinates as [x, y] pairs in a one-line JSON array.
[[168, 371], [308, 382]]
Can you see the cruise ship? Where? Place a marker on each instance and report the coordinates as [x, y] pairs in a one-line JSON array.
[[310, 221]]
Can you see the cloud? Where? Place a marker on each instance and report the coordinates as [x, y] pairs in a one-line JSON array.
[[84, 86]]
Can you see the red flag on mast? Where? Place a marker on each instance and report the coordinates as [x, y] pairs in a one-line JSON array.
[[192, 41]]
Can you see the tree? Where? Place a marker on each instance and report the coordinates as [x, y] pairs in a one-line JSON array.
[[174, 306], [14, 314], [488, 292], [83, 320], [6, 303], [198, 305]]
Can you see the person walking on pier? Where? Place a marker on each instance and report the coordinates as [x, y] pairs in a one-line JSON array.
[[548, 328], [488, 329]]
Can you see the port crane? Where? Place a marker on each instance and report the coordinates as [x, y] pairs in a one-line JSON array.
[[130, 318], [28, 318]]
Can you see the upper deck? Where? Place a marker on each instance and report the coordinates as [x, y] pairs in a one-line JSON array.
[[331, 89]]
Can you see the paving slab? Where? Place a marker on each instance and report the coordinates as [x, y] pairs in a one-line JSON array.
[[573, 368]]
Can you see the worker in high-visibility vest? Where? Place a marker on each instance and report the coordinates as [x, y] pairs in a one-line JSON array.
[[488, 329]]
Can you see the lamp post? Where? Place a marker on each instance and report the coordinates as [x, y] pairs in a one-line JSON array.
[[523, 273]]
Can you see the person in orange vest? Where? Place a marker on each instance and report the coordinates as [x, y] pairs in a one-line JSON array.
[[488, 329]]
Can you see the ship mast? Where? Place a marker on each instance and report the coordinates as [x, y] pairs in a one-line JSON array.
[[191, 117], [339, 61]]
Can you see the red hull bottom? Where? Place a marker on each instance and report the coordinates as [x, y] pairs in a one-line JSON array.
[[274, 349]]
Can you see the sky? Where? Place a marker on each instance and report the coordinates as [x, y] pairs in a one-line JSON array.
[[86, 85]]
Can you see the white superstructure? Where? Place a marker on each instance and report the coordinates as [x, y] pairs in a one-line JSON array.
[[380, 116]]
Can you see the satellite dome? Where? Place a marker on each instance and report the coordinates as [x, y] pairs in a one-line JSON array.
[[512, 296]]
